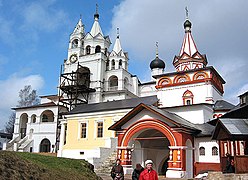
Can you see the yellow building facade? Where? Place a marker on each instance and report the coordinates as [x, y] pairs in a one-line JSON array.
[[84, 130]]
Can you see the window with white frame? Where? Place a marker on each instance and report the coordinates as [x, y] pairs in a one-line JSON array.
[[188, 97], [83, 130], [99, 129]]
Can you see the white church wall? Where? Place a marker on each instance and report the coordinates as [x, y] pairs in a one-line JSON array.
[[147, 90], [82, 154], [38, 137], [216, 95], [197, 114], [208, 144], [36, 130], [173, 96]]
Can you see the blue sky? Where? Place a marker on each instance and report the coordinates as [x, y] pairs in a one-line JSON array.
[[34, 39]]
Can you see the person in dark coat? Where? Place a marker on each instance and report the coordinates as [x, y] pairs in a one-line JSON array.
[[117, 172], [137, 171], [230, 165]]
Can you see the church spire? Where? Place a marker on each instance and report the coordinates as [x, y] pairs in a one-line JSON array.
[[118, 55], [79, 27], [189, 56], [117, 46], [96, 29], [188, 46]]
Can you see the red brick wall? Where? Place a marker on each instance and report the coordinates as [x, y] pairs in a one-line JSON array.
[[199, 167]]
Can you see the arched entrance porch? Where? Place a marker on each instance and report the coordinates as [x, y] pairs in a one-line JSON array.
[[149, 139], [150, 144]]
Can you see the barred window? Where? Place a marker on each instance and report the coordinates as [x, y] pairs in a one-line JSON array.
[[83, 130], [202, 151], [215, 151], [100, 129]]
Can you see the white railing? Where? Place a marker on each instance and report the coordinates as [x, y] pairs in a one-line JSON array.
[[113, 88]]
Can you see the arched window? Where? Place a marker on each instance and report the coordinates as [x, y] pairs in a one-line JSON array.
[[106, 51], [215, 151], [188, 97], [98, 49], [202, 151], [200, 75], [74, 43], [181, 79], [23, 124], [113, 64], [45, 145], [33, 118], [107, 65], [88, 49], [126, 83], [113, 83], [120, 64], [47, 116], [83, 76]]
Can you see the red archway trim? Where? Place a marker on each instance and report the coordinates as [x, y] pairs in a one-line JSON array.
[[148, 123]]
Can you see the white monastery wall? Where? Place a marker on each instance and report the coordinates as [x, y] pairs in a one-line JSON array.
[[208, 144]]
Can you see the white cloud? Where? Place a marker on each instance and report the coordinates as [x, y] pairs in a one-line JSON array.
[[42, 16], [219, 30], [10, 90]]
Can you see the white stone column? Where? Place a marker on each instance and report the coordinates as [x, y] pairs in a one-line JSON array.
[[61, 140], [38, 118], [29, 119]]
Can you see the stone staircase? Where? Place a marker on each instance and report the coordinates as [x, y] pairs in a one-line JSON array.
[[10, 146], [18, 144], [107, 165], [24, 144]]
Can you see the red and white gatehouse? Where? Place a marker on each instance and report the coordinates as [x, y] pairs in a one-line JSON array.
[[147, 132]]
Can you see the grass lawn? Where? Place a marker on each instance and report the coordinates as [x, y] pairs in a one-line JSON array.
[[21, 165]]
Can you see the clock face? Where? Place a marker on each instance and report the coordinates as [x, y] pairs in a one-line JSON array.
[[73, 58]]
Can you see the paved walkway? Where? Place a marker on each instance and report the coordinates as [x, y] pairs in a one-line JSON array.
[[129, 177]]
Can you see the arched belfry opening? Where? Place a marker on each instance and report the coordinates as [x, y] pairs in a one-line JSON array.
[[75, 87], [150, 144]]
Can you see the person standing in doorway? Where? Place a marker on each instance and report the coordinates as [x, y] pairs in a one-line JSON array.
[[148, 173], [137, 171], [117, 172]]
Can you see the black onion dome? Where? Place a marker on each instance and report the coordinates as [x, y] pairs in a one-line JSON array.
[[96, 16], [157, 63], [187, 23]]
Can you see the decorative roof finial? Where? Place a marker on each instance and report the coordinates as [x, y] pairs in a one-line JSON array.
[[187, 12], [157, 49], [96, 8], [118, 33], [96, 15], [80, 16], [187, 24]]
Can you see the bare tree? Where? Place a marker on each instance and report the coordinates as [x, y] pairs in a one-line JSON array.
[[27, 97], [9, 126]]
